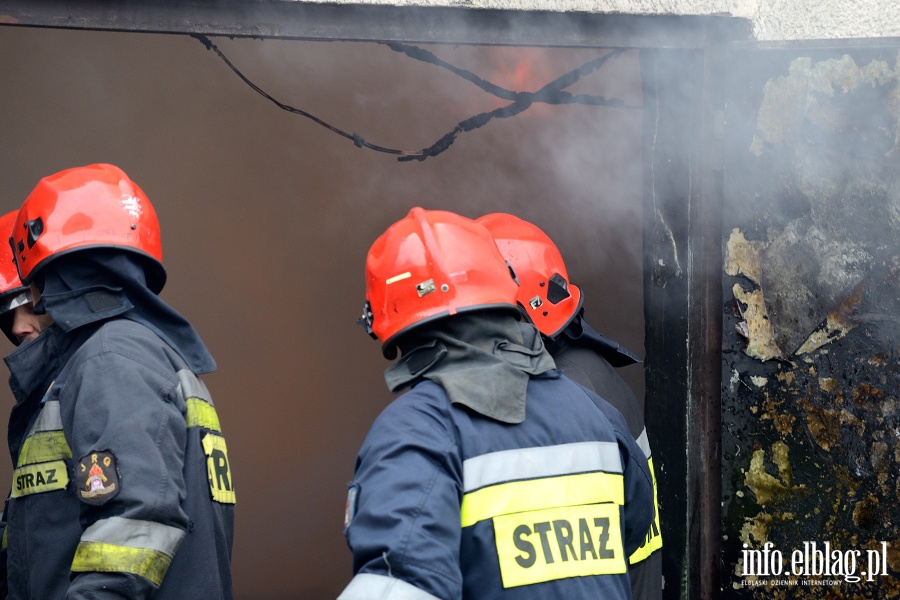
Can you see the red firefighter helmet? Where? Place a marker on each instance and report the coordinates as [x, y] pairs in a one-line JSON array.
[[11, 287], [429, 265], [96, 206], [545, 294], [12, 292]]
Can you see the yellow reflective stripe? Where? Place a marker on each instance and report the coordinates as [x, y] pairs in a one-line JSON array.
[[44, 446], [124, 545], [653, 541], [202, 414], [35, 479], [46, 440], [200, 410], [537, 494], [110, 558], [558, 543]]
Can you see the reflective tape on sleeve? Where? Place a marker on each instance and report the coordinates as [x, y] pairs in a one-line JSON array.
[[135, 533], [653, 541], [49, 419], [46, 440], [200, 409], [191, 386], [202, 414], [643, 443], [44, 446], [366, 586], [124, 545], [107, 558], [543, 461]]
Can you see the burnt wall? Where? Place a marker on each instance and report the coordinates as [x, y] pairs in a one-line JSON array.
[[811, 323]]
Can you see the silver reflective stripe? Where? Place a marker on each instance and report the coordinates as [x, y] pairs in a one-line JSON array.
[[643, 443], [49, 419], [547, 461], [367, 586], [191, 386], [132, 533]]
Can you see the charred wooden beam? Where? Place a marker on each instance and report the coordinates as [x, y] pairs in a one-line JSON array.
[[682, 309], [313, 21]]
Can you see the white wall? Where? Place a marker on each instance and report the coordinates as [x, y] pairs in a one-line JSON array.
[[772, 19]]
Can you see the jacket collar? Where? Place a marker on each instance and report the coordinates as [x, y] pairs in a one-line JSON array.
[[580, 334], [483, 361], [34, 364]]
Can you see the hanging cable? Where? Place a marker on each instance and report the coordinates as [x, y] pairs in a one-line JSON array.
[[355, 137], [522, 101], [552, 93], [558, 97]]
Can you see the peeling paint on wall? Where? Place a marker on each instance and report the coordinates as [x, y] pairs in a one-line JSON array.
[[835, 122], [755, 325], [811, 342], [768, 489], [807, 92]]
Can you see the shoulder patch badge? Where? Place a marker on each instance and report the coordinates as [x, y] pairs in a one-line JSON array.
[[97, 477]]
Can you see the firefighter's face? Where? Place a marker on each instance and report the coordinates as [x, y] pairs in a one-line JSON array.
[[27, 325]]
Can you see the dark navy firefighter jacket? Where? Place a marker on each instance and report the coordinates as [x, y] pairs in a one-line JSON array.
[[446, 503], [121, 485], [590, 359]]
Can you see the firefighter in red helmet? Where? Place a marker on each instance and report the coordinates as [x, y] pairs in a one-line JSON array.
[[493, 476], [555, 306], [15, 297], [15, 302], [121, 487]]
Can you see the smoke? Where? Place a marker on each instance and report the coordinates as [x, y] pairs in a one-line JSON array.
[[828, 132], [267, 218]]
